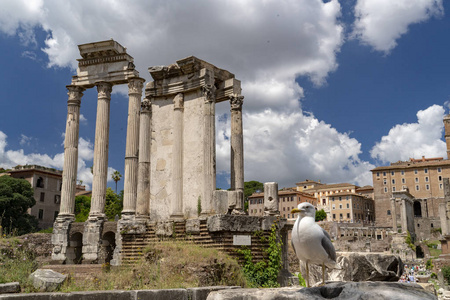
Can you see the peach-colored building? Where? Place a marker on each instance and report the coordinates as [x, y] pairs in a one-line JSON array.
[[287, 200]]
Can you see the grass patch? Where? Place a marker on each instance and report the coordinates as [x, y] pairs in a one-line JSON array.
[[16, 262], [167, 265]]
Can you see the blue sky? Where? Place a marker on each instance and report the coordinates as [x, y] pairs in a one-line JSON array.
[[332, 89]]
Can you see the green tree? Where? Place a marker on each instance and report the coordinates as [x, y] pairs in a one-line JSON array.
[[82, 208], [16, 197], [320, 215], [249, 188], [116, 177], [114, 204]]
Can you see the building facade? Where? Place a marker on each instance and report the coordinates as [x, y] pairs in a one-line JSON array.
[[287, 200], [46, 184], [351, 207], [423, 178]]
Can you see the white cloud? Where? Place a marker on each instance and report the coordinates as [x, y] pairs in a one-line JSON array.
[[415, 139], [380, 23], [83, 119], [12, 158], [289, 147], [24, 140]]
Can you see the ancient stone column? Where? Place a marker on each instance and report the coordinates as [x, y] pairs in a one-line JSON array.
[[394, 215], [132, 147], [404, 217], [271, 198], [237, 143], [69, 181], [177, 157], [209, 148], [101, 150], [145, 137]]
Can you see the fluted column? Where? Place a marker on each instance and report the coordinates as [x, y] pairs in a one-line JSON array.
[[209, 148], [394, 215], [177, 157], [404, 216], [145, 137], [101, 150], [237, 145], [132, 146], [71, 151]]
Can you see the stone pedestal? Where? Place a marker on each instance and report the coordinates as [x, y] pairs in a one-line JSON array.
[[92, 240], [60, 238]]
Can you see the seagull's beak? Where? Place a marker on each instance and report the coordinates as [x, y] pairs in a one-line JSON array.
[[296, 210]]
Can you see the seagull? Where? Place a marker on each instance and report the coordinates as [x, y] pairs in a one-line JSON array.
[[311, 243]]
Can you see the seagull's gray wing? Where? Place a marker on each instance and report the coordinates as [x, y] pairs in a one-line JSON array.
[[293, 247], [328, 246]]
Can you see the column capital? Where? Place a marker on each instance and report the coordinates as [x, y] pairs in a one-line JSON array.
[[135, 85], [146, 105], [209, 92], [75, 93], [178, 101], [104, 89], [236, 101]]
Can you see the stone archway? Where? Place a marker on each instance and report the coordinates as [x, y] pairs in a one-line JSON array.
[[417, 209], [419, 252], [108, 245], [74, 251]]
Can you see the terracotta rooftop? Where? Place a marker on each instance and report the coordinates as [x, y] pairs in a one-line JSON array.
[[331, 186]]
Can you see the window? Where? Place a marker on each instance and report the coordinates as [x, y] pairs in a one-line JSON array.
[[415, 171], [417, 187], [388, 212], [393, 181], [439, 170], [425, 171], [41, 214], [348, 205], [57, 199], [284, 199], [334, 206], [440, 178], [340, 216], [417, 179], [392, 173], [378, 174], [292, 198], [340, 206], [348, 215], [427, 187], [385, 189], [42, 197], [440, 186], [403, 180], [384, 181], [426, 179], [384, 173], [340, 198], [40, 182], [403, 172], [334, 216], [284, 208], [393, 188], [289, 215]]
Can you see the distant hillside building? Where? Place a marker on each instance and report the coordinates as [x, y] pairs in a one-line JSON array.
[[424, 180], [46, 183], [343, 202], [287, 200]]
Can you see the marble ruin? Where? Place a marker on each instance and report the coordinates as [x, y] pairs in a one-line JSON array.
[[170, 168]]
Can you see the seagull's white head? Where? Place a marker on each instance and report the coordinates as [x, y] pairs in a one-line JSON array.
[[305, 209]]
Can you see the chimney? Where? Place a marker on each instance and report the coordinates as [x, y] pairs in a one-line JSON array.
[[447, 133]]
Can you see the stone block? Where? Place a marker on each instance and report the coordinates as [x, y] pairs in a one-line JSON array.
[[170, 294], [236, 223], [46, 280], [201, 293], [335, 290], [164, 228], [220, 202], [103, 295], [10, 287], [193, 226]]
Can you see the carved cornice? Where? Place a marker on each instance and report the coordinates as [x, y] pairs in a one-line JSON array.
[[135, 86], [178, 101], [104, 90], [236, 102], [75, 93], [209, 92], [146, 105]]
